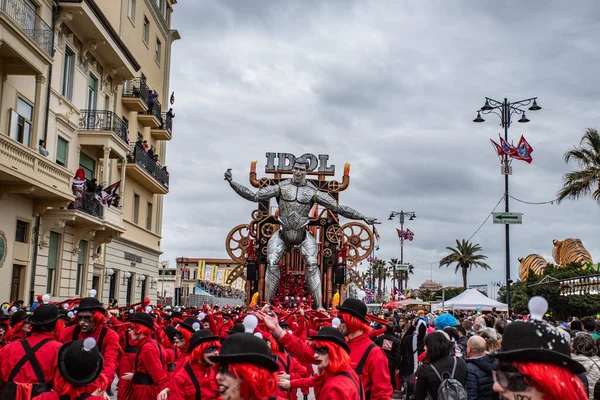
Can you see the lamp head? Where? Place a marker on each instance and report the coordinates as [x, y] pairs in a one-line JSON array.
[[523, 119], [486, 106], [478, 118], [534, 106], [391, 217]]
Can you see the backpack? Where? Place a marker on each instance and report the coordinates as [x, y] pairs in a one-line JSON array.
[[450, 389]]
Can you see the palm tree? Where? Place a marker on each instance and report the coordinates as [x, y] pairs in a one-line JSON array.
[[578, 184], [465, 258], [395, 274], [411, 270], [381, 273]]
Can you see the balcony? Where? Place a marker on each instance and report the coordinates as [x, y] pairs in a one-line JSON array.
[[101, 128], [87, 21], [26, 39], [153, 117], [145, 170], [164, 131], [24, 171], [135, 95]]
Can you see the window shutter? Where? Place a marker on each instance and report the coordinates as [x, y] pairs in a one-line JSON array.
[[61, 151], [53, 250]]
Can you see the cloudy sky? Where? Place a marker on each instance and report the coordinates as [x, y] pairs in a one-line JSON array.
[[391, 87]]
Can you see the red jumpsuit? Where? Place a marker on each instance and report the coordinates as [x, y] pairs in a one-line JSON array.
[[171, 354], [126, 365], [109, 347], [182, 385], [45, 360], [290, 365], [55, 396], [375, 374], [340, 386], [150, 375]]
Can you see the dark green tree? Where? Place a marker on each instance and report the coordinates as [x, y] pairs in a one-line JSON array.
[[578, 184], [463, 255]]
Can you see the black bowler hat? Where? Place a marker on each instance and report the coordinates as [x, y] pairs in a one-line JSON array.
[[80, 362], [188, 324], [246, 348], [18, 317], [43, 314], [170, 331], [143, 319], [355, 308], [199, 337], [284, 324], [236, 328], [64, 314], [330, 334], [90, 304], [176, 314]]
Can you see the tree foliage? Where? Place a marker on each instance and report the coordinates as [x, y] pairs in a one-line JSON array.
[[463, 255], [586, 181]]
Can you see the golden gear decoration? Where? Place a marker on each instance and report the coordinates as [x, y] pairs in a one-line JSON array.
[[334, 186], [327, 253], [237, 272], [267, 230], [237, 243], [334, 233], [264, 250], [257, 215], [359, 236], [355, 279], [352, 256]]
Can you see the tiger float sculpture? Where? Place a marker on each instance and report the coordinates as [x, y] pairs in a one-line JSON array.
[[564, 252]]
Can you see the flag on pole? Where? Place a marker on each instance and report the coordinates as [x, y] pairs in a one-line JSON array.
[[409, 235], [172, 100], [524, 151], [107, 194], [498, 148], [376, 233], [401, 234], [508, 148]]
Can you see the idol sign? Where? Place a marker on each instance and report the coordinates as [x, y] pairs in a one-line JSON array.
[[285, 162]]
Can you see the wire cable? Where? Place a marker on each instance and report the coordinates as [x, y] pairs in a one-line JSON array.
[[533, 202], [486, 218]]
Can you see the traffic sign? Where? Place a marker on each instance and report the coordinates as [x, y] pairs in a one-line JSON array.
[[401, 267], [508, 218]]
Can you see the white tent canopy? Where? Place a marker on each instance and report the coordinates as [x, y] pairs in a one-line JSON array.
[[470, 299]]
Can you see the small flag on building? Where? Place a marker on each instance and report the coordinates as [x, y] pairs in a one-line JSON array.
[[376, 233], [108, 194], [172, 100]]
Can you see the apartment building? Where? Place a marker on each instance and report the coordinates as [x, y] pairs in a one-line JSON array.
[[82, 76]]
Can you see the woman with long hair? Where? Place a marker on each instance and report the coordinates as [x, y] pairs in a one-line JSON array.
[[19, 327], [197, 379]]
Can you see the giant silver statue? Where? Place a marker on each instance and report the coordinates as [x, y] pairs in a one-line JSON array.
[[295, 198]]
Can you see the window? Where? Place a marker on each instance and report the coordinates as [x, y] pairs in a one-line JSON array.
[[107, 103], [92, 92], [149, 216], [143, 285], [136, 208], [157, 51], [129, 289], [146, 30], [68, 73], [62, 151], [88, 164], [22, 232], [112, 288], [80, 276], [20, 122], [53, 261], [131, 11]]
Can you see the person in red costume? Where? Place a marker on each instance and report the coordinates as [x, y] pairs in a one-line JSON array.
[[166, 338], [227, 325], [246, 369], [129, 348], [91, 322], [149, 374], [19, 326], [29, 365], [198, 378], [79, 365], [369, 360], [287, 364], [3, 326], [185, 330]]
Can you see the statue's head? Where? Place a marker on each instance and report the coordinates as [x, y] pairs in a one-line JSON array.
[[300, 170]]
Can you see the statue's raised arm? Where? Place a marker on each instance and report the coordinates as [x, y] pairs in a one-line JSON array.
[[265, 193], [325, 200]]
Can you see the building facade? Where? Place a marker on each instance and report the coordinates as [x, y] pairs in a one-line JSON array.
[[82, 77], [206, 273]]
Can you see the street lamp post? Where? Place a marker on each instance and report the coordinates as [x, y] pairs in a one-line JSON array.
[[411, 215], [183, 266], [505, 109]]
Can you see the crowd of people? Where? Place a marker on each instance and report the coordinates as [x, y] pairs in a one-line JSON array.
[[224, 291], [77, 348]]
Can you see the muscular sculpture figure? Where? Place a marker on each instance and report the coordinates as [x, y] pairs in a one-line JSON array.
[[295, 198]]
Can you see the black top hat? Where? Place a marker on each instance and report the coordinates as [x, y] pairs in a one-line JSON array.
[[18, 317], [90, 304], [188, 324], [43, 314], [170, 331], [536, 341], [355, 308], [143, 319], [330, 334], [199, 337], [284, 324], [80, 362], [176, 314], [236, 328], [246, 348]]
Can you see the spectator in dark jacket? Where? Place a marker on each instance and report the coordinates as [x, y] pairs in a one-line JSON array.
[[437, 346], [479, 371], [390, 345]]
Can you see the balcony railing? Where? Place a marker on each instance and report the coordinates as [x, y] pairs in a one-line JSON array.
[[157, 110], [32, 24], [167, 123], [102, 120], [88, 204], [136, 88], [144, 160]]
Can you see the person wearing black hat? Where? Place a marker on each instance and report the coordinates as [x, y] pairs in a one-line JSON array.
[[247, 370], [149, 374], [198, 376], [534, 361], [166, 338], [3, 326], [91, 322], [371, 363], [19, 326], [129, 350], [28, 365], [185, 330], [236, 328], [79, 366]]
